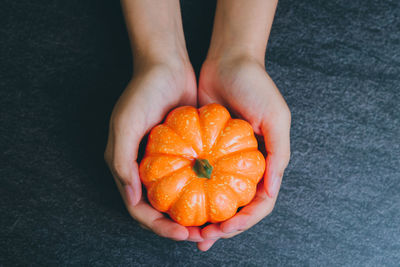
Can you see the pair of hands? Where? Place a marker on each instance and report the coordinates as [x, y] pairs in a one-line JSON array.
[[239, 83]]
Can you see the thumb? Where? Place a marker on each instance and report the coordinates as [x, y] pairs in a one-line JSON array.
[[121, 155], [276, 133]]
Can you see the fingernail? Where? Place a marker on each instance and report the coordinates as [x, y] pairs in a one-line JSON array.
[[274, 185], [129, 195]]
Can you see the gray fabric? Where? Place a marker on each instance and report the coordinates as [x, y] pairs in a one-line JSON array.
[[64, 64]]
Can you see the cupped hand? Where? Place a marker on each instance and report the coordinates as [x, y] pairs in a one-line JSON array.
[[243, 86], [154, 89]]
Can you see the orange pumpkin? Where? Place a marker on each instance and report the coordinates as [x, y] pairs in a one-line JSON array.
[[201, 165]]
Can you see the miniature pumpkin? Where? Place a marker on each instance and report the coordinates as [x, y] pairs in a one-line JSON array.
[[200, 165]]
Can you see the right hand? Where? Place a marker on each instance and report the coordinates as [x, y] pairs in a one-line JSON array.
[[242, 85], [154, 89]]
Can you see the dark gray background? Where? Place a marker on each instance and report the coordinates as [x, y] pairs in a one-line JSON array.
[[63, 65]]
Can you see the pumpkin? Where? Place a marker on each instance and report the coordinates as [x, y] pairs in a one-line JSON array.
[[201, 165]]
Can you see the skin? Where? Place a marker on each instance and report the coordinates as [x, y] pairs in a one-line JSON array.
[[163, 78], [233, 75]]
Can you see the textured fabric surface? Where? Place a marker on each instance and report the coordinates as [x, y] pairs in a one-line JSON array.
[[63, 65]]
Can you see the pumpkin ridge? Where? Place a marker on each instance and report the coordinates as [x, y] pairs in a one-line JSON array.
[[168, 174], [232, 173], [198, 119], [206, 200], [189, 145], [166, 154], [168, 166], [249, 136], [205, 206], [241, 176], [218, 170], [185, 187], [228, 188], [219, 135], [215, 160], [203, 152], [237, 197], [190, 154]]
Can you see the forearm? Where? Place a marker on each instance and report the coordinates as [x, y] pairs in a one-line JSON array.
[[155, 30], [241, 28]]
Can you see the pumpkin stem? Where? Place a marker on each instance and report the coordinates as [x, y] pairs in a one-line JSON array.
[[202, 168]]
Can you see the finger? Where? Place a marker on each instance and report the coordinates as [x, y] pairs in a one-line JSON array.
[[206, 245], [212, 231], [166, 228], [131, 192], [204, 98], [226, 236], [157, 222], [124, 166], [251, 214], [151, 219], [194, 234], [144, 227], [276, 131]]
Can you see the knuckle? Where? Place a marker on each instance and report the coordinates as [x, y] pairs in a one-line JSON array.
[[244, 228], [286, 157], [281, 172], [233, 234], [121, 171], [270, 209], [112, 121], [118, 121], [159, 231], [287, 160], [116, 124], [282, 162], [144, 227], [286, 114], [107, 156]]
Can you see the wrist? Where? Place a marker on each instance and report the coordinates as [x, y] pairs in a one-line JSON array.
[[176, 71], [230, 57], [155, 32], [174, 60], [228, 45], [217, 72], [241, 29], [229, 54], [168, 50]]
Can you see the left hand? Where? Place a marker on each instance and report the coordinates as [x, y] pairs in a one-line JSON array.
[[243, 86], [155, 88]]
